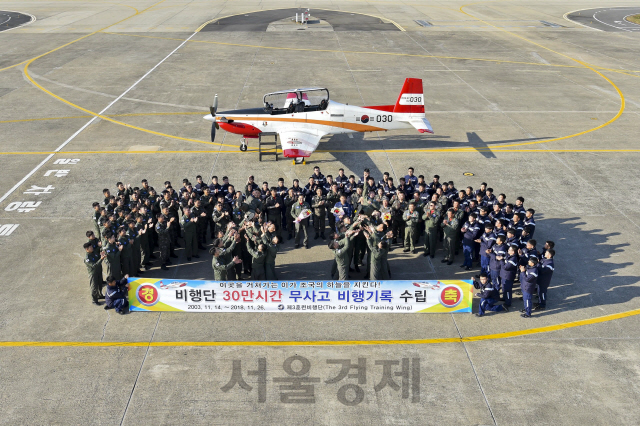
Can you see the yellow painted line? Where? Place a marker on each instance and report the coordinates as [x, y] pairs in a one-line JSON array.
[[142, 114], [496, 336], [364, 151], [354, 52], [106, 118], [81, 38], [584, 64], [315, 8]]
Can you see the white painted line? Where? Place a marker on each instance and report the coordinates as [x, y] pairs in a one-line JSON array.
[[33, 19], [613, 26], [576, 22], [6, 20], [4, 197]]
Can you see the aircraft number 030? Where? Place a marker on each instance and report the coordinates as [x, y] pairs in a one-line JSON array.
[[384, 118]]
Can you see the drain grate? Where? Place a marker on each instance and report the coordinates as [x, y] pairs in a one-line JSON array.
[[424, 23], [551, 24]]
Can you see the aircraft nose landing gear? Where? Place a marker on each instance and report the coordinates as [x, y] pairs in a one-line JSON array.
[[243, 144], [299, 160]]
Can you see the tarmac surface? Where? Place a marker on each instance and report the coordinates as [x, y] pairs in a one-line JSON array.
[[547, 113], [606, 19], [11, 20]]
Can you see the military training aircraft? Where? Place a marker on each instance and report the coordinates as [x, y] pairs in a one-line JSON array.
[[301, 117]]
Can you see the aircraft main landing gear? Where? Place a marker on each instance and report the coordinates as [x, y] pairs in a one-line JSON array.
[[299, 160], [243, 144]]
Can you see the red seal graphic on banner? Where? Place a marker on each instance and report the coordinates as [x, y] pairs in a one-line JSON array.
[[147, 295], [451, 296], [364, 118]]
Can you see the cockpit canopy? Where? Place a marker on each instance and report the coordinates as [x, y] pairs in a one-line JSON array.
[[296, 100]]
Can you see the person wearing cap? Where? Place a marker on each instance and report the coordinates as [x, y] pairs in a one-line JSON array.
[[432, 218], [528, 282], [319, 207], [301, 226]]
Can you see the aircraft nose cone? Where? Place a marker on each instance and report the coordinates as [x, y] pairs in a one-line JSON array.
[[209, 117]]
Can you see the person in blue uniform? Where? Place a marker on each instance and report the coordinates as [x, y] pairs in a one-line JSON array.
[[545, 272], [488, 295], [471, 231], [116, 294], [508, 271], [528, 283], [487, 240]]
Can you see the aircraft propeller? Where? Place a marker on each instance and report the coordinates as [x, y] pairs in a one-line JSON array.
[[213, 108]]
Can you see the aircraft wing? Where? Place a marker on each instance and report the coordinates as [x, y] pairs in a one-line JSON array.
[[299, 142], [422, 124]]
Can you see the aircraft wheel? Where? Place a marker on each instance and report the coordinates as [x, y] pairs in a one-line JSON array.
[[243, 144], [299, 160]]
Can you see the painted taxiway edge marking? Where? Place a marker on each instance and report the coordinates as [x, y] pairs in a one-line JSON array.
[[33, 19], [329, 151], [584, 64], [565, 16], [83, 37], [495, 336], [315, 8], [88, 123]]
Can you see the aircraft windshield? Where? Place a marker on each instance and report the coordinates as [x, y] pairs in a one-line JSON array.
[[296, 101]]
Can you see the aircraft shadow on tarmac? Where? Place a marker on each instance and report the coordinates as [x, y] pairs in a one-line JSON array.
[[406, 142], [586, 272]]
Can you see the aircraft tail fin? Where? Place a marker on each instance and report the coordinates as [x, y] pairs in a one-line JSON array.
[[411, 99]]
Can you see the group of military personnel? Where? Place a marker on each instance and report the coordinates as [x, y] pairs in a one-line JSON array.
[[365, 217]]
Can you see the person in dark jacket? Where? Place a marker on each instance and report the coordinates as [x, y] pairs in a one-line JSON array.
[[488, 295], [496, 253], [116, 294], [545, 272], [487, 240], [528, 282], [508, 271], [471, 231]]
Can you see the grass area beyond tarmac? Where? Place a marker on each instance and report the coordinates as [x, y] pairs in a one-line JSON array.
[[635, 19]]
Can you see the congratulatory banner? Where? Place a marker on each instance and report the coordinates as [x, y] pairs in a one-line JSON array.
[[154, 295]]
